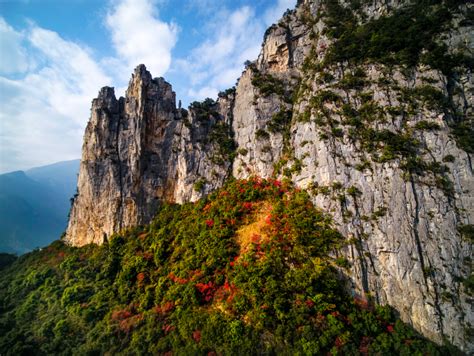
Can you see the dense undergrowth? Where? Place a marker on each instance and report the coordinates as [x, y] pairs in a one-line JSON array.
[[244, 271]]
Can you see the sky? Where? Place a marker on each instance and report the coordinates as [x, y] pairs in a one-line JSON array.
[[55, 55]]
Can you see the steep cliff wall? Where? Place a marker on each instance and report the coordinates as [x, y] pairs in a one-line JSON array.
[[367, 105], [141, 150], [375, 143]]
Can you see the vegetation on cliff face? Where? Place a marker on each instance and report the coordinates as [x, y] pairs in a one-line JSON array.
[[246, 270]]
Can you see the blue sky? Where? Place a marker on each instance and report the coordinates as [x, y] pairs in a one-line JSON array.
[[55, 55]]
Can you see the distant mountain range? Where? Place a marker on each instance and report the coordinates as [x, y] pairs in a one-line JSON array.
[[34, 205]]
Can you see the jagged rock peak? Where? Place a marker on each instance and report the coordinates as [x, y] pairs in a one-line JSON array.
[[157, 89], [106, 92], [140, 151]]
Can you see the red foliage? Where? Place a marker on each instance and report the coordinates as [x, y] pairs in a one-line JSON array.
[[390, 328], [232, 263], [126, 320], [247, 206], [226, 291], [121, 315], [256, 238], [309, 303], [339, 342], [61, 254], [197, 335], [268, 219], [167, 328], [177, 279], [210, 223], [140, 277], [206, 289], [164, 309], [362, 303], [129, 324], [320, 318]]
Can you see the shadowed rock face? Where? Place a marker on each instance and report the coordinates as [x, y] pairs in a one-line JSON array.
[[393, 176]]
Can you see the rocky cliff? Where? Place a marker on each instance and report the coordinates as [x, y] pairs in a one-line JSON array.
[[141, 150], [366, 104]]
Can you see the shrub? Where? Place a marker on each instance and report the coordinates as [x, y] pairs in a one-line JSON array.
[[261, 134]]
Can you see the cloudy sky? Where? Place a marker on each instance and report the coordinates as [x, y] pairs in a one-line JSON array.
[[55, 55]]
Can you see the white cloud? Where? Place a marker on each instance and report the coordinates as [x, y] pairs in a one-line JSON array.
[[44, 113], [236, 37], [274, 13], [204, 92], [139, 36], [13, 58], [217, 62]]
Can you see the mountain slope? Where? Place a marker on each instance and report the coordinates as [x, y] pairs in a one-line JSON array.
[[245, 271], [366, 104], [34, 205]]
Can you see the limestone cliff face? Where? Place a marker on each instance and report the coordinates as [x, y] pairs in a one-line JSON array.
[[141, 150], [384, 147]]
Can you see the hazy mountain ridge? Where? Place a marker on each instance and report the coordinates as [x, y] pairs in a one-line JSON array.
[[34, 205]]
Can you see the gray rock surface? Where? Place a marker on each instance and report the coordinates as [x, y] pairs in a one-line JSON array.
[[401, 223]]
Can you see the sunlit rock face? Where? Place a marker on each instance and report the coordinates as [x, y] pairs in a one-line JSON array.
[[139, 151], [374, 144]]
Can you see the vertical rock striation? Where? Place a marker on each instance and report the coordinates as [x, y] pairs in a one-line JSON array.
[[382, 142]]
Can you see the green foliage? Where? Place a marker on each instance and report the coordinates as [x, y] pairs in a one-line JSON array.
[[449, 158], [199, 184], [199, 280], [226, 93], [266, 83], [221, 135], [354, 191], [467, 232], [261, 134], [204, 110], [396, 39], [463, 132], [280, 121], [426, 125], [6, 259], [322, 97], [469, 283], [242, 151], [343, 262], [355, 80]]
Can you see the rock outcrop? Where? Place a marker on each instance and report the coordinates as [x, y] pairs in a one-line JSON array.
[[381, 139], [141, 150]]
